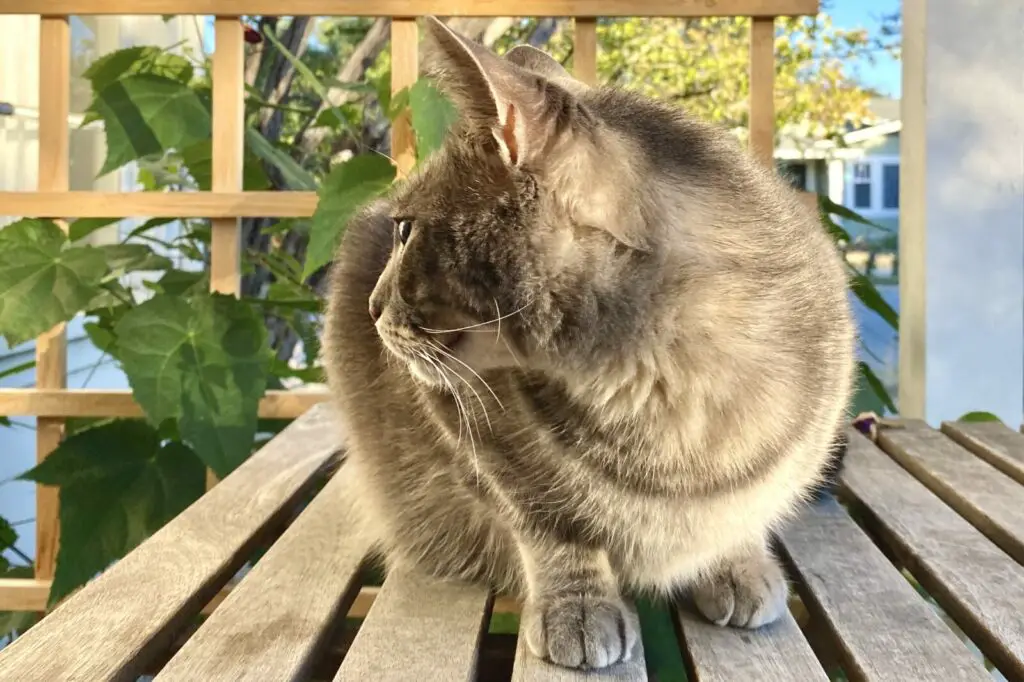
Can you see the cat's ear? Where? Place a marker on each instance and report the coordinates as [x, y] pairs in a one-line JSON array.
[[543, 64], [518, 106]]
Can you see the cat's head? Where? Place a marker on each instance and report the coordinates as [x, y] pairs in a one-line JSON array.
[[523, 240]]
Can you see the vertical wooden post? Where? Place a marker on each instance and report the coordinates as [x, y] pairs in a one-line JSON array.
[[228, 152], [762, 89], [51, 351], [405, 70], [912, 244], [584, 49]]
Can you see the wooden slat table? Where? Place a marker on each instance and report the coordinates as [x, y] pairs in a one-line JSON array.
[[945, 507]]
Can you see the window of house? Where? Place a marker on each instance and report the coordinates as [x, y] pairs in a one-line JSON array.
[[796, 174], [861, 185], [891, 186]]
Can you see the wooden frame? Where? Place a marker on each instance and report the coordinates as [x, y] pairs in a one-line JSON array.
[[49, 401]]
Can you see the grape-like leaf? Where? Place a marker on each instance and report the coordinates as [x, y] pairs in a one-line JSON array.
[[134, 60], [202, 362], [118, 485], [295, 176], [43, 281], [345, 190], [83, 227], [146, 115], [432, 114], [123, 258]]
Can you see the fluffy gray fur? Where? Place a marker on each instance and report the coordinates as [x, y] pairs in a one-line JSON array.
[[611, 353]]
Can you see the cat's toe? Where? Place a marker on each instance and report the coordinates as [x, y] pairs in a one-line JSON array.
[[581, 631], [747, 593]]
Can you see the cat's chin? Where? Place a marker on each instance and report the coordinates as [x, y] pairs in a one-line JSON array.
[[426, 374]]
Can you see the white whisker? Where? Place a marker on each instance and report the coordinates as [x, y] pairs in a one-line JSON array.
[[479, 324], [438, 347]]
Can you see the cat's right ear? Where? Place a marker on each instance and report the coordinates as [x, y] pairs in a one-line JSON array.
[[516, 104], [543, 64]]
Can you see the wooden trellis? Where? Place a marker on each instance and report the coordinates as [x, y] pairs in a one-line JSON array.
[[50, 401]]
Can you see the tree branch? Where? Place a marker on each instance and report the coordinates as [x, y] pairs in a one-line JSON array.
[[365, 53]]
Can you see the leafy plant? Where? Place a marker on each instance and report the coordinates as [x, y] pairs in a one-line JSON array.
[[199, 362]]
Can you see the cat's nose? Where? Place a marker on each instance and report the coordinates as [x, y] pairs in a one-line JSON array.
[[374, 312]]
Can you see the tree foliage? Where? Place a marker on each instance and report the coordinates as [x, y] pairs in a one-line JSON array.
[[317, 119]]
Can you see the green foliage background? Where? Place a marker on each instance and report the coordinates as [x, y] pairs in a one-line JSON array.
[[198, 363]]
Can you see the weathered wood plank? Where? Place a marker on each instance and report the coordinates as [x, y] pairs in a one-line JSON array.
[[418, 629], [276, 622], [415, 8], [983, 495], [994, 442], [884, 629], [529, 668], [114, 625], [774, 653], [973, 580]]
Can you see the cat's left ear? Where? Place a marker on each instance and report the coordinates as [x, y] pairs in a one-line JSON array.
[[524, 111]]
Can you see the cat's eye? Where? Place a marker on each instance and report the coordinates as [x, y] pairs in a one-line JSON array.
[[404, 227]]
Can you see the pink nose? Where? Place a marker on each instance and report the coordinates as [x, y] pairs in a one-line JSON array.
[[374, 312]]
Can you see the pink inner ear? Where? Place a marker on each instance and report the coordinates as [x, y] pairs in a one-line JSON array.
[[508, 134]]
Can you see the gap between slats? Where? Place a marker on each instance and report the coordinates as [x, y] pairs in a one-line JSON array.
[[992, 501], [125, 617], [881, 626], [973, 581]]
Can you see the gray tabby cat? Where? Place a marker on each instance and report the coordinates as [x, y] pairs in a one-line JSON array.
[[591, 346]]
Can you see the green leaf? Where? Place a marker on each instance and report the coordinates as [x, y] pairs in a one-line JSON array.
[[182, 282], [837, 233], [145, 227], [399, 103], [146, 115], [122, 258], [877, 388], [198, 158], [8, 536], [979, 417], [295, 176], [865, 290], [83, 227], [432, 114], [17, 369], [101, 337], [202, 362], [43, 281], [134, 60], [343, 192], [118, 484], [828, 206], [96, 453]]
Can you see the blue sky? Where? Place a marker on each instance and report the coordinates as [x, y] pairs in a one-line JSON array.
[[885, 74]]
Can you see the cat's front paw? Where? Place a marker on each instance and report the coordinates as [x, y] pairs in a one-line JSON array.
[[747, 593], [581, 631]]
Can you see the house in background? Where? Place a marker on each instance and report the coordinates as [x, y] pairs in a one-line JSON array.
[[861, 171]]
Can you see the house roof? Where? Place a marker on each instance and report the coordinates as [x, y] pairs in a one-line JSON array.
[[797, 142]]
